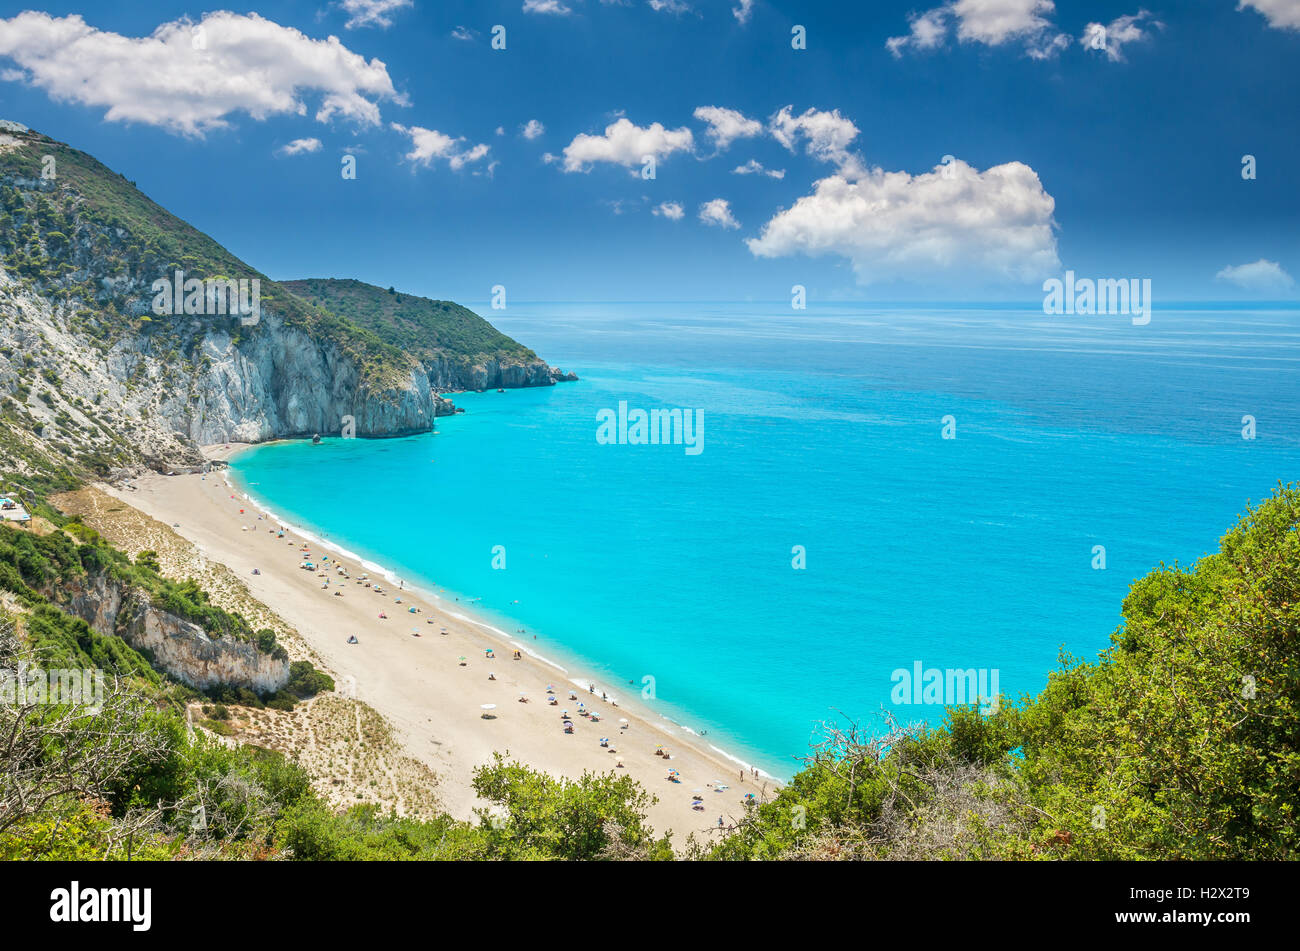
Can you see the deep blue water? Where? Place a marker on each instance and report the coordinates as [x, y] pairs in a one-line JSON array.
[[822, 430]]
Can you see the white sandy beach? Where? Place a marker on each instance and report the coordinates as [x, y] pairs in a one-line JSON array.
[[419, 684]]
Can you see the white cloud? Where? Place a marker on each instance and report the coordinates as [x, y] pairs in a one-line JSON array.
[[299, 147], [1280, 14], [624, 143], [727, 125], [671, 210], [246, 64], [429, 145], [1111, 39], [827, 136], [954, 219], [928, 30], [464, 33], [547, 6], [744, 11], [1261, 275], [675, 7], [372, 12], [532, 129], [755, 167], [718, 212], [461, 159], [991, 22]]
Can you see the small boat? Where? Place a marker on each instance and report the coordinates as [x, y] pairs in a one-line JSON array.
[[502, 390], [315, 440]]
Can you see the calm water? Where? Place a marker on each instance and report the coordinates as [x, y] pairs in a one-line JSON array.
[[822, 430]]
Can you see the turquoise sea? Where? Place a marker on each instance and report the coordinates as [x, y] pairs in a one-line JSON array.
[[823, 429]]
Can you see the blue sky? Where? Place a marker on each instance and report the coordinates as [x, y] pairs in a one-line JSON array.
[[1120, 159]]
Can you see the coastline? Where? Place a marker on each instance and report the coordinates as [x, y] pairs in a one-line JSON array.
[[408, 666], [569, 665]]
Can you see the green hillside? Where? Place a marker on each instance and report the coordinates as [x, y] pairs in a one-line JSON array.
[[94, 225], [416, 325], [90, 224]]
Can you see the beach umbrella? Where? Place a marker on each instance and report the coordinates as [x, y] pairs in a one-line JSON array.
[[622, 723], [487, 709]]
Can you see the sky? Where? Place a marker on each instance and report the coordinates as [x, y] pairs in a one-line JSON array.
[[877, 151]]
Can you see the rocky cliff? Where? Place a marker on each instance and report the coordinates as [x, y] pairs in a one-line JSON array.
[[174, 645], [94, 375]]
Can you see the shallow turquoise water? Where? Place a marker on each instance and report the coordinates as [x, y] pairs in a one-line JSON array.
[[822, 431]]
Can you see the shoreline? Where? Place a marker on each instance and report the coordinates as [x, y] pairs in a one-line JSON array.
[[390, 669], [486, 625]]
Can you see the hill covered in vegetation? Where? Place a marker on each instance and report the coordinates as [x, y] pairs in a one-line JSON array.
[[95, 375], [459, 348]]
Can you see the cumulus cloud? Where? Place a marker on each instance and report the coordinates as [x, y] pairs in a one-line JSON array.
[[718, 212], [464, 33], [299, 147], [755, 167], [826, 135], [531, 129], [429, 145], [991, 22], [670, 210], [190, 77], [1260, 276], [1113, 37], [727, 125], [1280, 14], [625, 143], [955, 219], [743, 11], [372, 12], [554, 7]]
